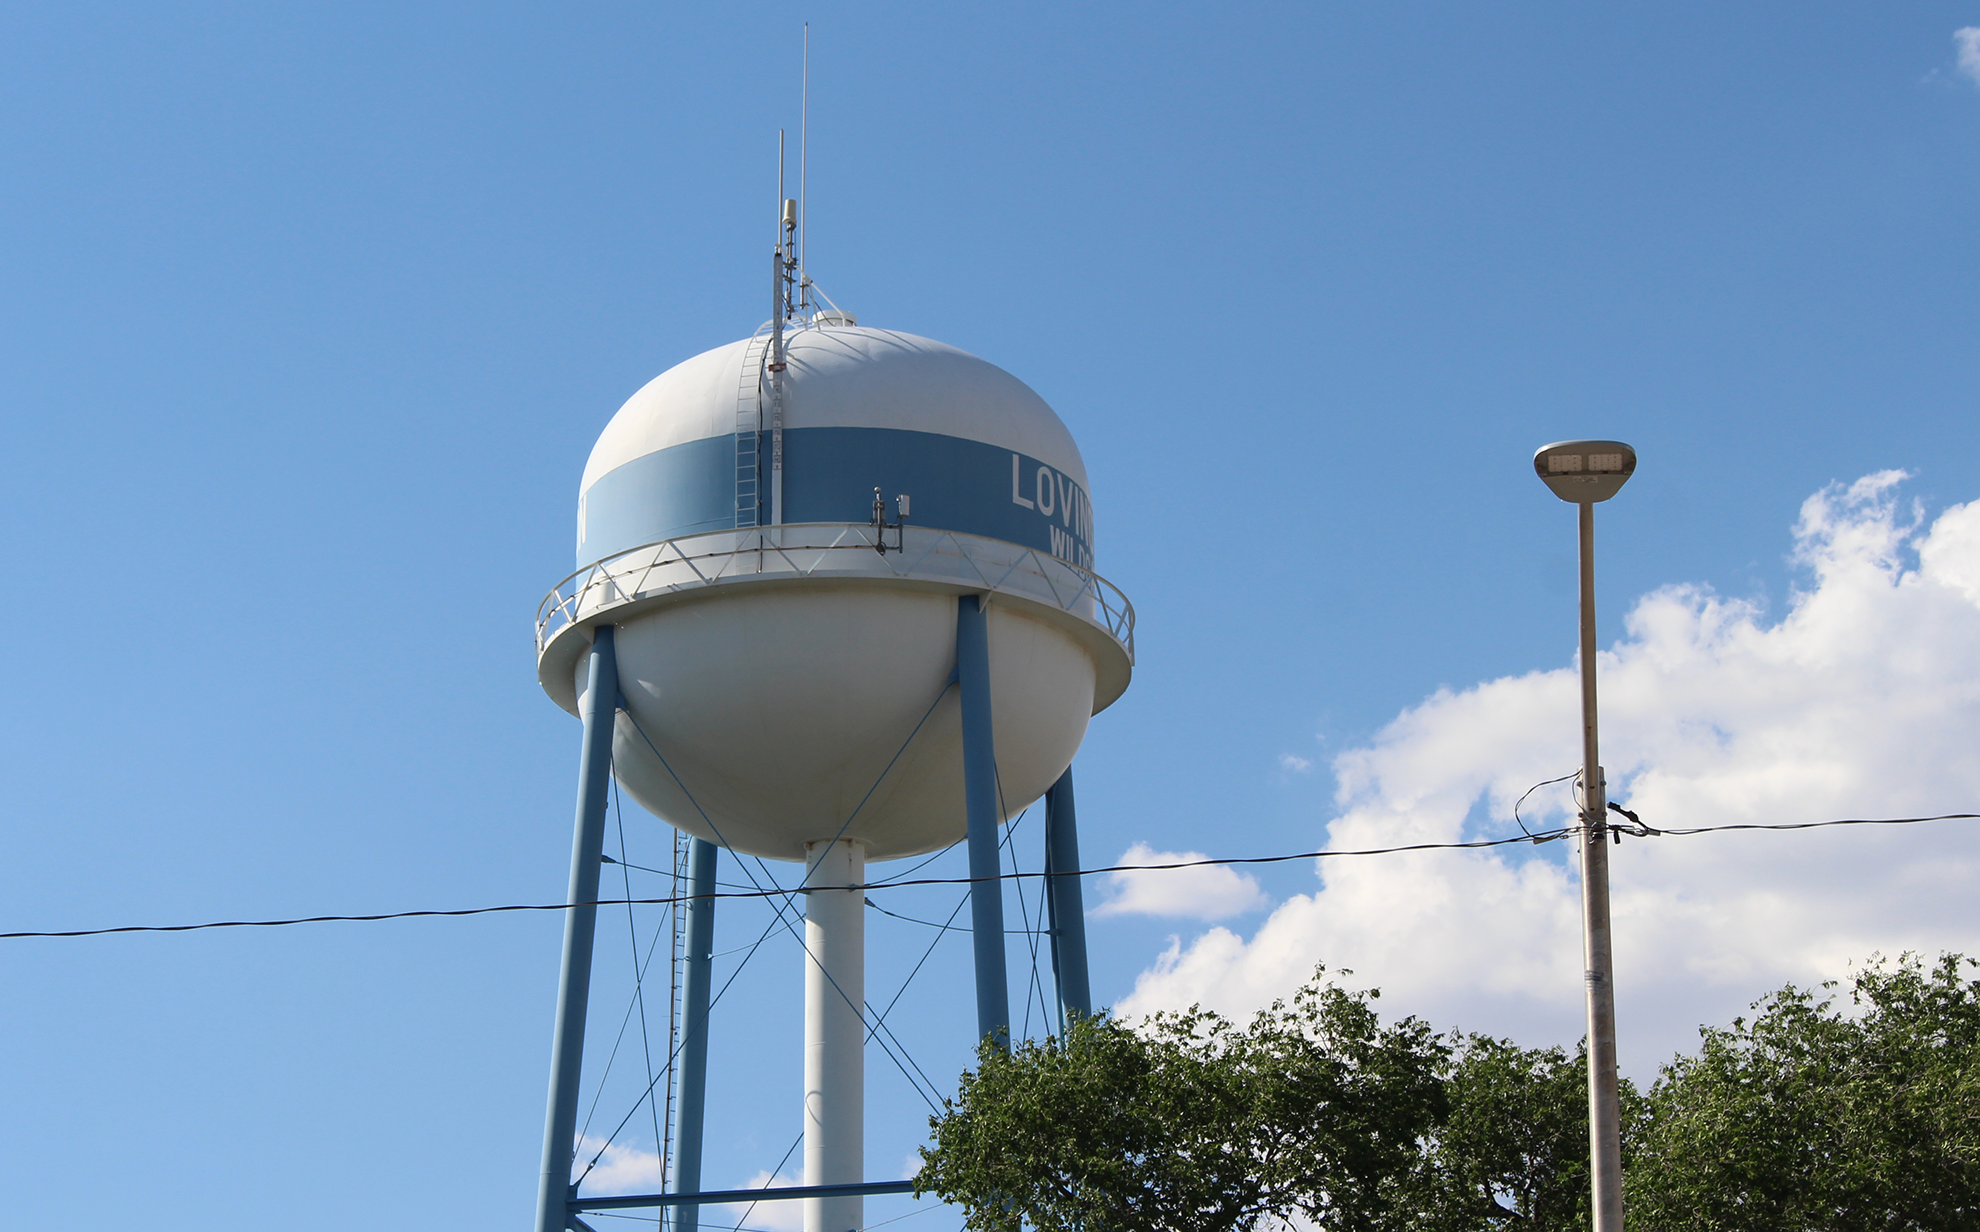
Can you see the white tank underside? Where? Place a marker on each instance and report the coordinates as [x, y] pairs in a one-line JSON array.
[[778, 710]]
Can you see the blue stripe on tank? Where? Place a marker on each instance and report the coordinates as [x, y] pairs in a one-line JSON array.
[[680, 490], [829, 476]]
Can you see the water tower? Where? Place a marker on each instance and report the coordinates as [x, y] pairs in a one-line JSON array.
[[835, 605]]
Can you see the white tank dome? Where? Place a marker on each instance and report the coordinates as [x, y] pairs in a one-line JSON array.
[[787, 684], [977, 450]]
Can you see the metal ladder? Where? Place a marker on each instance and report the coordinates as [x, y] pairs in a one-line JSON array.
[[749, 431]]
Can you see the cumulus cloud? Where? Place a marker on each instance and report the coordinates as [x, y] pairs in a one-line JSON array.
[[1295, 764], [623, 1168], [626, 1168], [1207, 893], [1967, 43], [784, 1216], [1862, 699]]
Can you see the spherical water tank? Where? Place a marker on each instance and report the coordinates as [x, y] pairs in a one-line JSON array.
[[784, 681]]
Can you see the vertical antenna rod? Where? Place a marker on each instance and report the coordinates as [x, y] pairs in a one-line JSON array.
[[804, 146], [781, 264]]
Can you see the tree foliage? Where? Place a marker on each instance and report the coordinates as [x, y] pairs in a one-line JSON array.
[[1513, 1151], [1192, 1124], [1809, 1117]]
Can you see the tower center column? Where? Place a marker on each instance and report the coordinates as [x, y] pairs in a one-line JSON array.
[[834, 1031]]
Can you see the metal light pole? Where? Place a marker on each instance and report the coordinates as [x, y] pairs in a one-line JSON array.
[[1582, 473]]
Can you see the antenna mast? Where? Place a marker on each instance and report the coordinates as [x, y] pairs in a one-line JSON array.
[[781, 265], [790, 286], [804, 147]]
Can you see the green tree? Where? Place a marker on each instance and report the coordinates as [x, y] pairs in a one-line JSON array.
[[1513, 1151], [1810, 1118], [1190, 1124]]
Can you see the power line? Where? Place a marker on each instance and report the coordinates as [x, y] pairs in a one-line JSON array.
[[1813, 825], [1479, 844], [1521, 821]]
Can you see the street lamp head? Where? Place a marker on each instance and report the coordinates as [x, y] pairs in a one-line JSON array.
[[1582, 472]]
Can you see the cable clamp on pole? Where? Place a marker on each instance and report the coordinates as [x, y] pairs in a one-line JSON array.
[[1640, 831]]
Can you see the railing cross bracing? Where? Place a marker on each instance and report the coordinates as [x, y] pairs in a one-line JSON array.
[[838, 550]]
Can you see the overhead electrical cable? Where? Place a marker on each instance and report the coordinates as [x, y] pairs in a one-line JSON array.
[[1476, 845], [1520, 821]]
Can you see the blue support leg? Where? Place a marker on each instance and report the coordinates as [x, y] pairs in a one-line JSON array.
[[1065, 903], [599, 710], [986, 893], [694, 1038]]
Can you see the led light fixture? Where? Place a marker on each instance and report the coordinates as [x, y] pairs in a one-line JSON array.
[[1582, 472]]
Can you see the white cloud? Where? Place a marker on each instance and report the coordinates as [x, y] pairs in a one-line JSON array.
[[1862, 700], [1298, 765], [1206, 893], [784, 1216], [1967, 41], [622, 1169], [625, 1169]]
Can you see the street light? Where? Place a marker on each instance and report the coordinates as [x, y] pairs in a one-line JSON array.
[[1582, 473]]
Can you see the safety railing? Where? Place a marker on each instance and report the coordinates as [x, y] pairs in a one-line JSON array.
[[837, 550]]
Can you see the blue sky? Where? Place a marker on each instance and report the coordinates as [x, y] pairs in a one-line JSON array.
[[313, 314]]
